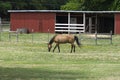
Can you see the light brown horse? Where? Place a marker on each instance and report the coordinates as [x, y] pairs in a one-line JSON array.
[[61, 39]]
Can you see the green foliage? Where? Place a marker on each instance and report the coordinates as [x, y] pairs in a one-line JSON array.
[[97, 4], [116, 5], [29, 5], [72, 5], [4, 7], [53, 4], [34, 4], [89, 5]]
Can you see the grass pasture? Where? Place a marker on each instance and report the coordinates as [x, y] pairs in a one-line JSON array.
[[25, 60]]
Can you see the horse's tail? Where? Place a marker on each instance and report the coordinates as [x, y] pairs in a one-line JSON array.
[[77, 41], [52, 40]]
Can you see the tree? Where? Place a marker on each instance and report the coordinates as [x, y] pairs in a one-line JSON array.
[[116, 5], [34, 5], [88, 5], [97, 5], [54, 4], [3, 8], [16, 5], [72, 5], [29, 5]]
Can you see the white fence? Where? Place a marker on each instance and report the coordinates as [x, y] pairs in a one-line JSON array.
[[4, 27], [78, 28]]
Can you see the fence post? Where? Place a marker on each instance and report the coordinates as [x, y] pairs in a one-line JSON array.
[[9, 36], [32, 35], [80, 36], [96, 37], [111, 36], [17, 36], [0, 34], [48, 34], [13, 33], [0, 28]]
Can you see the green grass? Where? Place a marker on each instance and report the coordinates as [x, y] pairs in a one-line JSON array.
[[25, 60]]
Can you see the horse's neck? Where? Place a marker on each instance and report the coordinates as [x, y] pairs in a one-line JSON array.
[[51, 41]]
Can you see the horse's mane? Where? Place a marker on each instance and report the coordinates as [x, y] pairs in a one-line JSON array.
[[52, 39]]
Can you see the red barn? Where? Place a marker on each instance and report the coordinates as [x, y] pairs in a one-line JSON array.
[[65, 21]]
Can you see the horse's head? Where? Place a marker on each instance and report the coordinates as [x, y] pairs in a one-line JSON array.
[[49, 47]]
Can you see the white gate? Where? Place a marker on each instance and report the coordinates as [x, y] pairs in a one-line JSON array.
[[70, 29]]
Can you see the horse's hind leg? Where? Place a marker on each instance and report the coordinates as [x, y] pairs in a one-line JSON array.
[[58, 48], [55, 47], [71, 48]]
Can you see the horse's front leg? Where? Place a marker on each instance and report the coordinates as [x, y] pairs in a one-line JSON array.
[[71, 48], [55, 47], [58, 48], [74, 48]]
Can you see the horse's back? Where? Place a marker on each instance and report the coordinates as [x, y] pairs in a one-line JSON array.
[[64, 38]]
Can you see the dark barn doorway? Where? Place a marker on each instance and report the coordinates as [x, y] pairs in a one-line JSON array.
[[94, 22], [101, 23], [105, 23]]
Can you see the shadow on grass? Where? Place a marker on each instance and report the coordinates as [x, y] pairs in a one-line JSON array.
[[39, 74]]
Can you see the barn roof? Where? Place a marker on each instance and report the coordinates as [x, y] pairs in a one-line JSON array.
[[63, 11]]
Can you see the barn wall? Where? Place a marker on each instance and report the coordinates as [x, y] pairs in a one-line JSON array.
[[15, 20], [39, 22], [48, 22], [117, 23]]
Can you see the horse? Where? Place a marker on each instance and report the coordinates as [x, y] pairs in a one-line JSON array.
[[61, 39]]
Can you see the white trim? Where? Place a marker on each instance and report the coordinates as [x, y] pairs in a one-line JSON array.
[[70, 27], [57, 24], [65, 11], [69, 31]]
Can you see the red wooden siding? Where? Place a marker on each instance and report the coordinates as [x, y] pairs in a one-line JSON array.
[[117, 24], [39, 22]]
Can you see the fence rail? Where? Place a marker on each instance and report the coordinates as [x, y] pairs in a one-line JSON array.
[[7, 35], [107, 36], [69, 28], [4, 27]]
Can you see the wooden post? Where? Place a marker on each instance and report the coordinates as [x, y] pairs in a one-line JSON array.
[[90, 24], [0, 31], [111, 37], [96, 23], [84, 21], [68, 23], [32, 35], [9, 36], [96, 37], [80, 36], [0, 28], [17, 36], [48, 34], [13, 33], [0, 35]]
